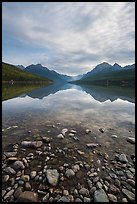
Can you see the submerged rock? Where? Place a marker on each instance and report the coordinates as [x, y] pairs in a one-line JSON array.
[[129, 194], [10, 154], [60, 136], [100, 196], [123, 158], [28, 196], [52, 176], [64, 131], [92, 145], [69, 173], [30, 144], [84, 191], [18, 165], [9, 170], [63, 199], [131, 140]]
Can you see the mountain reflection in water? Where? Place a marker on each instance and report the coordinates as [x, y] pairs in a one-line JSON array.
[[99, 93]]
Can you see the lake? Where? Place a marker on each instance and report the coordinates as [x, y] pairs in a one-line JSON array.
[[90, 107], [29, 113]]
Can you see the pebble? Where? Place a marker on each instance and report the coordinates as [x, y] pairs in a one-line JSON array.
[[18, 165], [101, 130], [18, 191], [27, 186], [6, 178], [60, 136], [112, 197], [52, 176], [65, 192], [131, 182], [129, 194], [10, 154], [114, 136], [69, 173], [86, 199], [80, 152], [84, 191], [131, 140], [88, 131], [123, 158], [3, 192], [28, 196], [33, 174], [45, 198], [71, 134], [9, 194], [78, 200], [89, 183], [98, 185], [25, 178], [76, 168], [9, 170], [63, 199], [64, 131], [100, 196], [95, 179], [73, 131]]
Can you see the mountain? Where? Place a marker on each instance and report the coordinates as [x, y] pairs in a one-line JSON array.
[[12, 73], [105, 73], [20, 66], [45, 72]]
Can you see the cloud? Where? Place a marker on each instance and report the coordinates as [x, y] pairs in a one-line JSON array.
[[69, 37]]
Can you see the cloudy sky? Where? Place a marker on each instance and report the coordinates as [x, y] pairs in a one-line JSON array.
[[69, 37]]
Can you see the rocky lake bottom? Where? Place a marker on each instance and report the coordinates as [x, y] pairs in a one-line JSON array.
[[68, 144], [69, 164]]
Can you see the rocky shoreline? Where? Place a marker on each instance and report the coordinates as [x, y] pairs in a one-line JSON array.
[[40, 170]]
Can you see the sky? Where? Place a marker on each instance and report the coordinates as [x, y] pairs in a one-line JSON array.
[[68, 37]]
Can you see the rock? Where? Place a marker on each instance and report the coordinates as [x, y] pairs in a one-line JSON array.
[[12, 159], [21, 182], [131, 182], [88, 131], [124, 200], [98, 185], [25, 178], [30, 144], [27, 186], [76, 168], [129, 194], [75, 193], [18, 165], [84, 191], [60, 136], [71, 134], [129, 174], [120, 173], [75, 138], [89, 183], [80, 152], [95, 179], [114, 189], [78, 200], [112, 197], [5, 178], [132, 170], [101, 130], [46, 139], [28, 196], [45, 198], [92, 145], [10, 154], [131, 140], [65, 192], [73, 131], [52, 176], [86, 199], [64, 131], [92, 190], [117, 182], [69, 173], [18, 191], [100, 196], [9, 170], [123, 158], [98, 162], [9, 194], [114, 136], [25, 162], [33, 174], [63, 199], [3, 192]]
